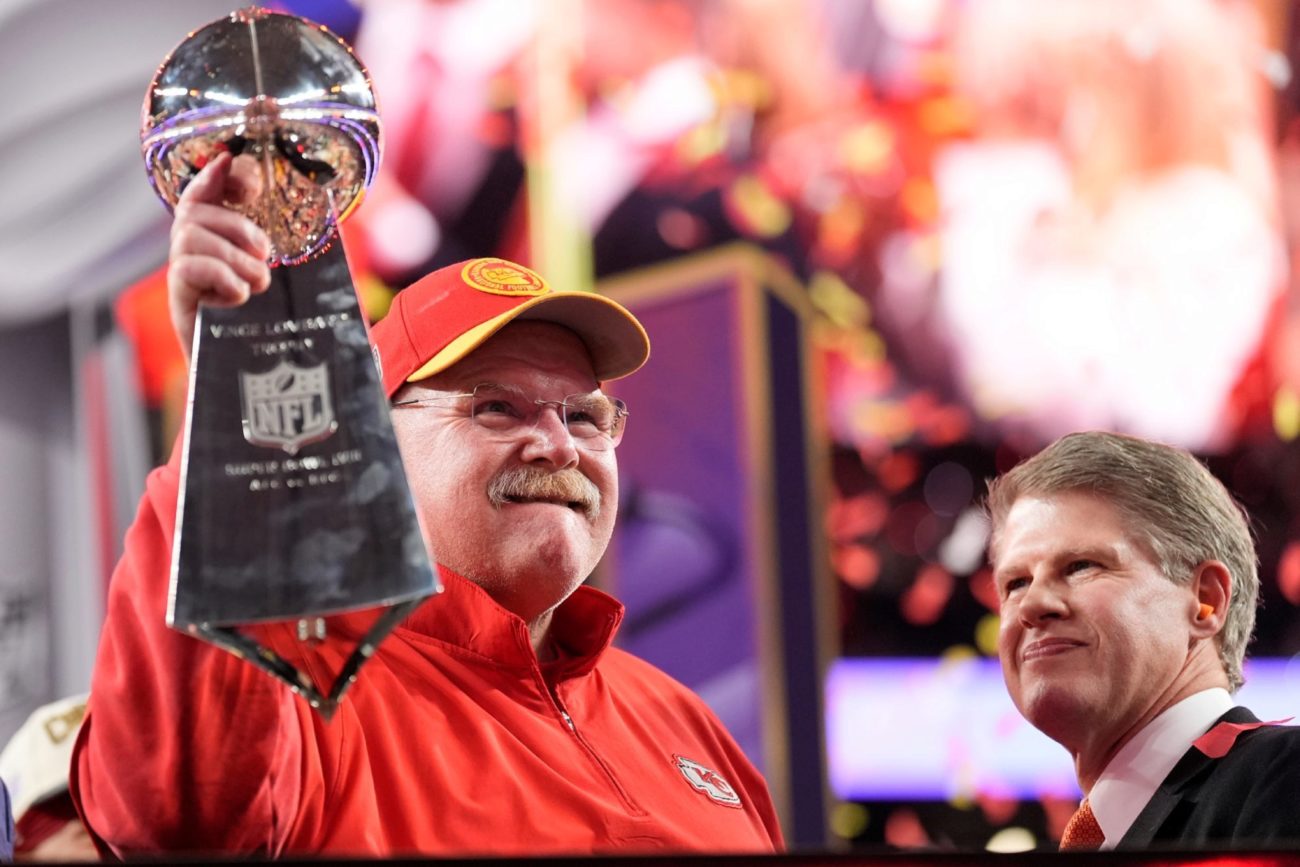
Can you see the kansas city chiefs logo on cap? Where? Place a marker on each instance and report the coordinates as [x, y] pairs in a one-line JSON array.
[[708, 782], [503, 278]]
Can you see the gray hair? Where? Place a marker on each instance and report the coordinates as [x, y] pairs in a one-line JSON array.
[[1177, 508]]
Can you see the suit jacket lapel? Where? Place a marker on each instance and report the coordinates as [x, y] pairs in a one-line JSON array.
[[1176, 788]]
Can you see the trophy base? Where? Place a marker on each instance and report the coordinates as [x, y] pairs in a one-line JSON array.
[[324, 698]]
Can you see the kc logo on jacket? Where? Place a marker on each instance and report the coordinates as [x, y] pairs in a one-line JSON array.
[[707, 782]]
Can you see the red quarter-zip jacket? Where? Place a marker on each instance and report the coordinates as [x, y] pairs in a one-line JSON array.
[[454, 740]]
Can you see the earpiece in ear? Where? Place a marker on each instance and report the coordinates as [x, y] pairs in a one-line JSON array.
[[1206, 610]]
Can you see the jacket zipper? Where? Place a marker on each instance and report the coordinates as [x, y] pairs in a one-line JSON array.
[[582, 742]]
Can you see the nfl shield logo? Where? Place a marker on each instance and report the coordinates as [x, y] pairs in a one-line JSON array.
[[288, 406]]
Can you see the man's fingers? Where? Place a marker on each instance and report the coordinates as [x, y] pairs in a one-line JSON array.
[[244, 255], [195, 219], [198, 279], [210, 183], [244, 182], [225, 180], [218, 256], [222, 286]]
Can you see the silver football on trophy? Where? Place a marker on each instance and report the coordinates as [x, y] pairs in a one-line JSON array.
[[288, 93]]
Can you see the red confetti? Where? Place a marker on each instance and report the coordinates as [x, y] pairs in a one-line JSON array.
[[982, 588], [1288, 573], [924, 601], [1219, 740], [857, 565]]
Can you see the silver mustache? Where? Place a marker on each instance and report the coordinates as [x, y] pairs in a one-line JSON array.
[[532, 483]]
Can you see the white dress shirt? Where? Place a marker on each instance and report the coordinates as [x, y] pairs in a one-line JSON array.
[[1132, 777]]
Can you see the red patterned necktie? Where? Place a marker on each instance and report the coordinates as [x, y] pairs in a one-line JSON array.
[[1082, 831]]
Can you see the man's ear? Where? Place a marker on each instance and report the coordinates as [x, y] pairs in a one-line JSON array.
[[1212, 588]]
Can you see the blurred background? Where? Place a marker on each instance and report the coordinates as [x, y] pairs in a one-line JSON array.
[[884, 248]]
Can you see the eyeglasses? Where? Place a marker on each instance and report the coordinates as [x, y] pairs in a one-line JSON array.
[[595, 419]]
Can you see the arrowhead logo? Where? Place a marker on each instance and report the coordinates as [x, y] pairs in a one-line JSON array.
[[707, 782], [499, 277]]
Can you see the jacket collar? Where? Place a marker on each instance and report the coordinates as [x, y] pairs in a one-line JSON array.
[[464, 616], [1175, 787]]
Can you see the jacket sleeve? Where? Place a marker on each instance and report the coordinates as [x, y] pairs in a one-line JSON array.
[[757, 796], [184, 747]]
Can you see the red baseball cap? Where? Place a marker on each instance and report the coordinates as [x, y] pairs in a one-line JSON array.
[[442, 317]]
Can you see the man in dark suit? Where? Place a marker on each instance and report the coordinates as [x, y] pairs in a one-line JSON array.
[[1128, 587]]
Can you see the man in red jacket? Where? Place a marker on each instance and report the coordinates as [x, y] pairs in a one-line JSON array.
[[497, 719]]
